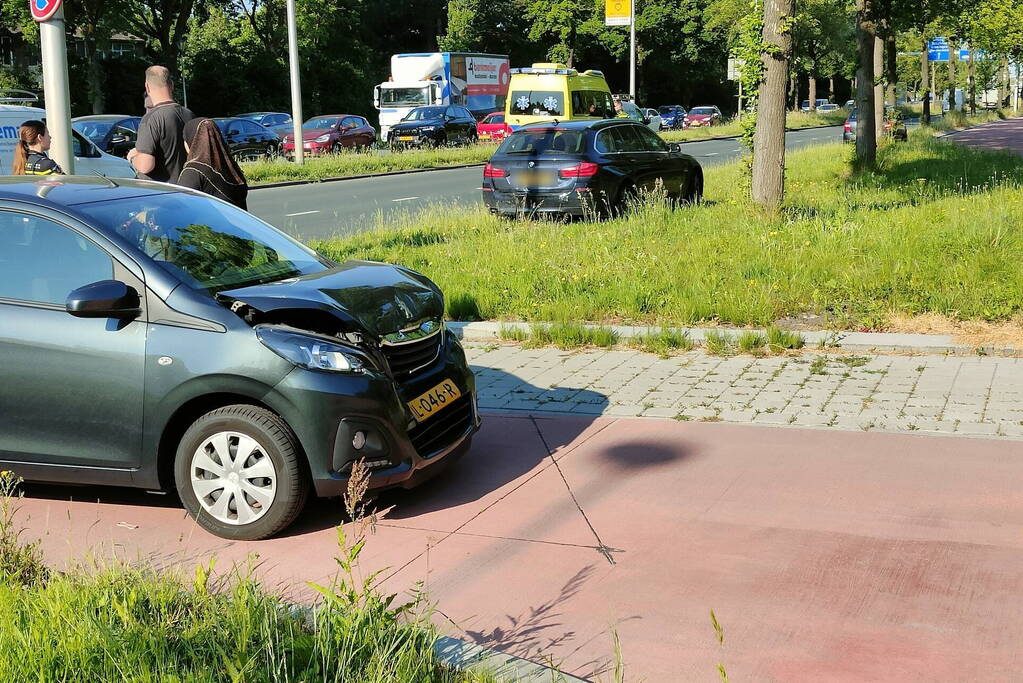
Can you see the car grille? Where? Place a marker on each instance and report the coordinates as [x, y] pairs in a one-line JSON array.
[[404, 359], [440, 430]]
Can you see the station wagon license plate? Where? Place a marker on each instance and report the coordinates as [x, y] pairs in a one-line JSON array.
[[535, 178], [406, 138], [433, 401]]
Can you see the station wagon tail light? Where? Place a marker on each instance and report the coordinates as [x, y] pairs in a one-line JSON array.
[[494, 172], [586, 169], [847, 127]]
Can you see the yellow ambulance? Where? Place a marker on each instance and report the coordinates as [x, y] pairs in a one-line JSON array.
[[545, 92]]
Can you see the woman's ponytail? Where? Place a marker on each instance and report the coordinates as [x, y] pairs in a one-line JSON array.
[[27, 135]]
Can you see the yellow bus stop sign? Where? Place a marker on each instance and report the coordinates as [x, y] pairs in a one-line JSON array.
[[617, 12]]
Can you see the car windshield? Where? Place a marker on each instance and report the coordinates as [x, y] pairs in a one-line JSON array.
[[538, 141], [403, 96], [320, 123], [424, 114], [701, 110], [94, 130], [666, 110], [203, 242]]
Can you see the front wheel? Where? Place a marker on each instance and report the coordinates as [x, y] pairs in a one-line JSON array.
[[238, 473], [694, 193]]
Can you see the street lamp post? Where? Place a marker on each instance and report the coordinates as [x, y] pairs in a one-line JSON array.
[[52, 41], [296, 85]]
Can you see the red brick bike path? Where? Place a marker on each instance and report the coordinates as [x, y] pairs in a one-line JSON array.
[[837, 556], [1003, 136]]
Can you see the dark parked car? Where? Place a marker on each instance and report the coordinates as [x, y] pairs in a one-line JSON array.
[[112, 133], [278, 122], [159, 338], [433, 127], [332, 134], [582, 168], [893, 125], [672, 116], [248, 140]]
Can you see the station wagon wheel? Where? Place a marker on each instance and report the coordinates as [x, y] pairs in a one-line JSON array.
[[238, 473]]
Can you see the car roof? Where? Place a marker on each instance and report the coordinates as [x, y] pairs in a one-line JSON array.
[[105, 117], [580, 125], [65, 192]]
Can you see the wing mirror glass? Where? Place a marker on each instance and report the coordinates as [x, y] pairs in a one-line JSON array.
[[105, 299]]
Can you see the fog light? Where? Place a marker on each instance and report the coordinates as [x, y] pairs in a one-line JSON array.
[[359, 440]]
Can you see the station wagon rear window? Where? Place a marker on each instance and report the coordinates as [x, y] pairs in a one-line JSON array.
[[544, 140], [538, 103]]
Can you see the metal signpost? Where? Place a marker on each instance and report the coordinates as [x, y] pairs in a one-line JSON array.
[[52, 39], [735, 65], [623, 13], [296, 85]]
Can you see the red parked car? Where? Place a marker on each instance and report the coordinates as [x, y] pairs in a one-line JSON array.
[[493, 127], [332, 134], [703, 116]]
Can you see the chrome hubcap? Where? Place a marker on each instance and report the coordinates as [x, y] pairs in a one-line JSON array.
[[233, 478]]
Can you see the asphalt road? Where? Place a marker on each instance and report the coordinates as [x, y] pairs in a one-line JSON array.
[[320, 210]]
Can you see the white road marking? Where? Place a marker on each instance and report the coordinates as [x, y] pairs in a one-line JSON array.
[[301, 213], [711, 154], [404, 199]]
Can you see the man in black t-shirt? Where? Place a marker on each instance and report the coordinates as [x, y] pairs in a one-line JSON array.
[[159, 152]]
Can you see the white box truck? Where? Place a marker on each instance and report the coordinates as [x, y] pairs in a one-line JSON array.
[[478, 82]]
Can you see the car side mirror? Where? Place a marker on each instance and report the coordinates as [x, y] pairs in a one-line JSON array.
[[233, 133], [105, 299], [675, 147]]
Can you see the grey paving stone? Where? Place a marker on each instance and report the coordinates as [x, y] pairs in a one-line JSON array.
[[976, 428]]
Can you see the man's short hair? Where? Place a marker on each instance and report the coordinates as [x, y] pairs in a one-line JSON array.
[[159, 77]]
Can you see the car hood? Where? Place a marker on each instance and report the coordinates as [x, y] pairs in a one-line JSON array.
[[363, 296], [412, 125]]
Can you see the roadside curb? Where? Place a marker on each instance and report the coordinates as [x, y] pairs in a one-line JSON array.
[[384, 174], [289, 183], [846, 341], [736, 137], [461, 655]]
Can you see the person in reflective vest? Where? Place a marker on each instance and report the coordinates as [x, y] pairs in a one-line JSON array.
[[30, 156]]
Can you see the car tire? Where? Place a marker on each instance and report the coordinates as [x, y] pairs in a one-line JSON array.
[[263, 505], [628, 195], [694, 192]]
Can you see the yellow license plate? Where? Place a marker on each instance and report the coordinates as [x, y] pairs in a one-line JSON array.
[[433, 401], [536, 179], [406, 138]]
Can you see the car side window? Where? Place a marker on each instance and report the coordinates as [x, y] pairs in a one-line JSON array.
[[42, 261], [249, 128], [630, 139], [651, 140], [126, 132], [450, 112], [611, 141], [350, 123], [467, 114]]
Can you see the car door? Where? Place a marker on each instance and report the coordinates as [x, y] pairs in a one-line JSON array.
[[253, 137], [350, 133], [452, 129], [72, 388], [662, 166], [471, 132]]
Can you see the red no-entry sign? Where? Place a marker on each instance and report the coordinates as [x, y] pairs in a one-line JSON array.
[[42, 10]]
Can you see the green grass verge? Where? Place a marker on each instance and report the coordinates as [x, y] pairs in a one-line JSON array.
[[793, 121], [352, 163], [137, 624], [935, 229]]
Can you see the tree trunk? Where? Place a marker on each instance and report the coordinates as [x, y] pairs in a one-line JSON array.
[[891, 64], [813, 93], [831, 89], [878, 86], [794, 90], [768, 181], [953, 55], [866, 37], [94, 76], [925, 80], [1003, 81], [971, 78]]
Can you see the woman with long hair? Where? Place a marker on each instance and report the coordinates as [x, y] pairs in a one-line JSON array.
[[30, 156], [209, 167]]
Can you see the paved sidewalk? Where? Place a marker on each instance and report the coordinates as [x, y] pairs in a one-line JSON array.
[[975, 396]]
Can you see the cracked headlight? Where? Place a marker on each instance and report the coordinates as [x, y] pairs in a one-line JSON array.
[[310, 352]]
